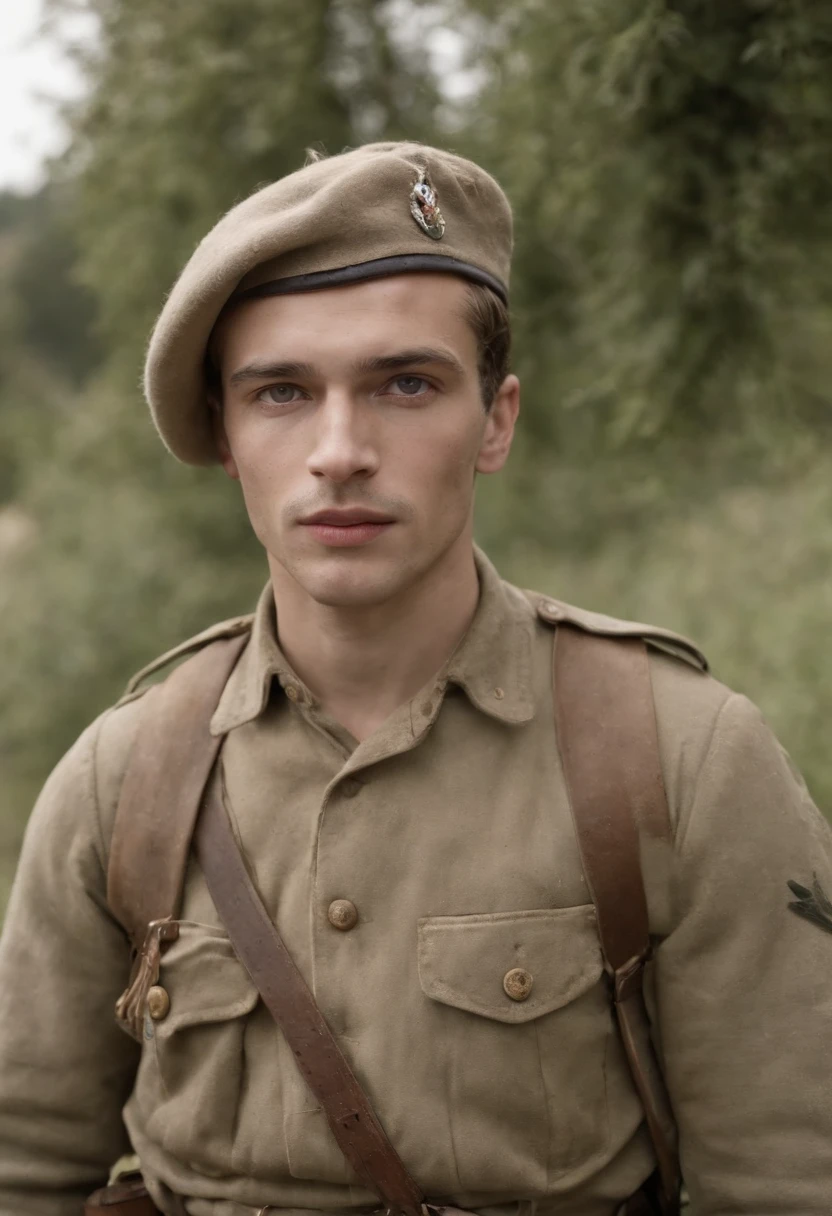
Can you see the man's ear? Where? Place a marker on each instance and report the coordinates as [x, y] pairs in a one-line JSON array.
[[221, 439], [499, 427]]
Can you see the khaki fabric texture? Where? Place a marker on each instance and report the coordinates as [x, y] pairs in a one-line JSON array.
[[449, 830], [346, 210]]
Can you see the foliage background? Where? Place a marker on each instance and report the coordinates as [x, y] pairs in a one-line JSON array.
[[668, 163]]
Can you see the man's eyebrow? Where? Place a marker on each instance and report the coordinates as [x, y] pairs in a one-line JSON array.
[[265, 369], [417, 357], [262, 369]]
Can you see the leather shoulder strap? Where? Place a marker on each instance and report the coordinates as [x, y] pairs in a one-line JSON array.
[[158, 812], [555, 612], [608, 741], [169, 764], [234, 627], [261, 950]]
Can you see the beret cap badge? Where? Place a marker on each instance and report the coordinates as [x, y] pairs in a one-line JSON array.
[[424, 207]]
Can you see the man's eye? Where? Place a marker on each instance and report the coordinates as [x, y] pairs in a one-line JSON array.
[[409, 386], [280, 394]]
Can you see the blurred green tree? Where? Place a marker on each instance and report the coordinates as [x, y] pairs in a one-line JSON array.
[[668, 163], [189, 108], [192, 106], [47, 344]]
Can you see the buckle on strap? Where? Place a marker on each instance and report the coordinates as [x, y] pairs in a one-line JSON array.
[[130, 1006], [627, 979]]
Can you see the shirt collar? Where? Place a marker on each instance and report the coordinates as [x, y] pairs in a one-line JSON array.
[[492, 663], [246, 693]]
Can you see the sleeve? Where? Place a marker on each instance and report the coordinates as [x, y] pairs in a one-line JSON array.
[[744, 983], [66, 1068]]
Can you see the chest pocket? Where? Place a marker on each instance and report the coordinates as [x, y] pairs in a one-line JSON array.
[[523, 1024], [193, 1058]]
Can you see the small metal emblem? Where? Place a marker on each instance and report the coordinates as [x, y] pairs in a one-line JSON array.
[[813, 905], [424, 207]]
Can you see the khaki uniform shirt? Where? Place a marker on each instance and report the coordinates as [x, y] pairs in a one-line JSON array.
[[450, 832]]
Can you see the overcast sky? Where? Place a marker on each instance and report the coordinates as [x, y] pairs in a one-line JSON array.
[[31, 69]]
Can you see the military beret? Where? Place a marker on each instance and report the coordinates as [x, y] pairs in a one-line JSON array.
[[381, 209]]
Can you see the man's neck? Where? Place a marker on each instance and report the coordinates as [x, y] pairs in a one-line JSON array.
[[362, 664]]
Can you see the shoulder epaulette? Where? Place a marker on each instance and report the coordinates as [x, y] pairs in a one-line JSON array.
[[225, 629], [553, 612]]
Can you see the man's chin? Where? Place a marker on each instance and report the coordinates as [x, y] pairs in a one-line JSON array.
[[338, 580]]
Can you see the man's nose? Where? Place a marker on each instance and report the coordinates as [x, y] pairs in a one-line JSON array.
[[344, 446]]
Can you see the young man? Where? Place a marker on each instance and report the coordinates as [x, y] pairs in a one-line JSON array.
[[390, 765]]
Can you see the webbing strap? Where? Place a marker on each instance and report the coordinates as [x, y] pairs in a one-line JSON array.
[[262, 951], [161, 797], [169, 765], [608, 741]]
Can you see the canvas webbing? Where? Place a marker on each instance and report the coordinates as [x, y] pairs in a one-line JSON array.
[[608, 741], [161, 796], [169, 764]]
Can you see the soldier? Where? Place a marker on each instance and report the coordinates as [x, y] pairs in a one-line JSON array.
[[392, 770]]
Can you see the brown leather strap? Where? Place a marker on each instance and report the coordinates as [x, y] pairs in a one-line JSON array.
[[162, 792], [262, 952], [606, 731], [643, 1203], [127, 1197], [169, 765]]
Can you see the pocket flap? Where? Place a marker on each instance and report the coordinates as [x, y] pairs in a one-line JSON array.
[[463, 960], [204, 979]]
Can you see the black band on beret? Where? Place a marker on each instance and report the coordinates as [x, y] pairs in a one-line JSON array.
[[379, 268]]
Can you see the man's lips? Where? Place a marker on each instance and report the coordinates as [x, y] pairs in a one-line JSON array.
[[347, 527], [345, 517]]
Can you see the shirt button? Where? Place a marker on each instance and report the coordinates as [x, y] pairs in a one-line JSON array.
[[292, 692], [350, 787], [517, 984], [550, 610], [158, 1003], [343, 914]]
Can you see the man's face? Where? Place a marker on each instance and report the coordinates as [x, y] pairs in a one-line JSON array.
[[354, 422]]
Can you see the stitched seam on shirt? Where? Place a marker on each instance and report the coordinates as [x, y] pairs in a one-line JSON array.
[[710, 751], [550, 1137], [157, 1060], [100, 851], [229, 808], [449, 1107], [337, 746]]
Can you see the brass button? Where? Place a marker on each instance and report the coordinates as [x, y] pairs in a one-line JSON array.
[[518, 984], [343, 914], [158, 1003]]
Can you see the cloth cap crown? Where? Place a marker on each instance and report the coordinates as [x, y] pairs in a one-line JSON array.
[[340, 219]]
